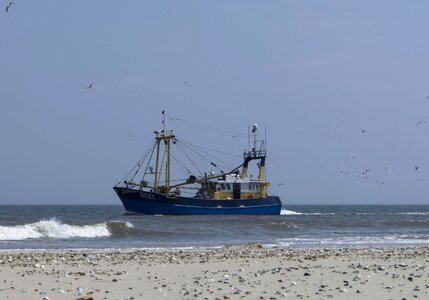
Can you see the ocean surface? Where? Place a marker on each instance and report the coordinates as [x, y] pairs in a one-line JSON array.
[[309, 226]]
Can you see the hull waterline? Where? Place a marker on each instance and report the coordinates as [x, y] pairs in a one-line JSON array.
[[143, 202]]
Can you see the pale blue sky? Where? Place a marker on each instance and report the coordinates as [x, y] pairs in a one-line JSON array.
[[299, 66]]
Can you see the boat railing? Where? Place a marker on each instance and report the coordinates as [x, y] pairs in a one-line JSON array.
[[255, 154]]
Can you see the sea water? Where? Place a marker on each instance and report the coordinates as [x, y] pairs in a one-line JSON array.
[[110, 227]]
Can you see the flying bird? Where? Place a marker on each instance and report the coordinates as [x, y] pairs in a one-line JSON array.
[[344, 173], [363, 130], [187, 83], [416, 168], [387, 170], [363, 174], [281, 183], [90, 86], [9, 6], [420, 123], [130, 134], [349, 157]]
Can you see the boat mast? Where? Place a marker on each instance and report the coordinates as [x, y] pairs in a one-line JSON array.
[[165, 136], [255, 153], [157, 160], [167, 175]]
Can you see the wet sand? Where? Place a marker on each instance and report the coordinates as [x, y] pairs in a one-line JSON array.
[[233, 272]]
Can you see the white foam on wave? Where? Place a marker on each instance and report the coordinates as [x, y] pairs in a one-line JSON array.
[[53, 228], [354, 241], [320, 214], [395, 213], [289, 212]]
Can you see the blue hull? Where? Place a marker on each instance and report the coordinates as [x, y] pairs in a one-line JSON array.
[[158, 204]]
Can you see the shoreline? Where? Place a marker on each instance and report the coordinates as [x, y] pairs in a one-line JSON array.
[[210, 248], [247, 271]]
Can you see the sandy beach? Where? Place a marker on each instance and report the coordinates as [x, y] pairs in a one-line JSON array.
[[232, 272]]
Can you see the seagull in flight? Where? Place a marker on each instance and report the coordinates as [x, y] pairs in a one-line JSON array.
[[387, 170], [90, 86], [416, 168], [281, 183], [9, 6], [363, 130], [187, 83], [420, 123], [363, 174]]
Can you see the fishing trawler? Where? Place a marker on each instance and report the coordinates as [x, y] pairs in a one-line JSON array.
[[208, 193]]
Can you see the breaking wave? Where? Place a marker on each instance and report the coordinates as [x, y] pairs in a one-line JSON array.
[[289, 212], [55, 229], [415, 213], [388, 240]]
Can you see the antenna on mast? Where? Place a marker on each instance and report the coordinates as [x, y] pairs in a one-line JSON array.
[[163, 121], [265, 137], [254, 129], [248, 138]]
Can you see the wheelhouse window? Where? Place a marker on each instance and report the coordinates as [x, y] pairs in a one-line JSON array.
[[254, 187]]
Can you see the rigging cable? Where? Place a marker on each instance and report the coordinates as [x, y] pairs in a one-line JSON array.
[[180, 164], [136, 165], [207, 148], [148, 162], [141, 161], [203, 160], [201, 157], [211, 155], [162, 164], [198, 125], [179, 146], [209, 161]]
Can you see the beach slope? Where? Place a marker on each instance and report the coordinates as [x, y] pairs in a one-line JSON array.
[[232, 272]]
